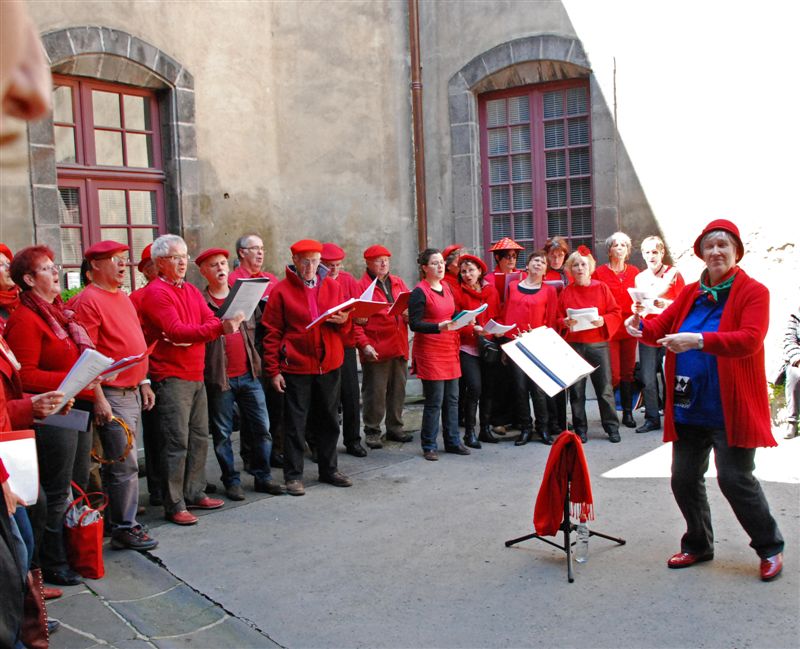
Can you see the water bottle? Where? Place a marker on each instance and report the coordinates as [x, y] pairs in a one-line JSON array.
[[582, 544]]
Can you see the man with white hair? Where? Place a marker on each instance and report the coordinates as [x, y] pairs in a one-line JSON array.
[[175, 314]]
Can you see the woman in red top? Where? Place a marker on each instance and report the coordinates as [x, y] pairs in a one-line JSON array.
[[590, 340], [47, 340], [474, 290], [619, 277], [530, 304], [434, 357], [9, 291], [557, 251]]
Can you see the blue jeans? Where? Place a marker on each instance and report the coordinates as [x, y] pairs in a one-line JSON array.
[[440, 396], [248, 394]]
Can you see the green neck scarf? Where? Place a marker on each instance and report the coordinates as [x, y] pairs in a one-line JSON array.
[[714, 291]]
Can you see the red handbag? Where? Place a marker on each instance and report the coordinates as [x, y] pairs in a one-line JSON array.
[[83, 531]]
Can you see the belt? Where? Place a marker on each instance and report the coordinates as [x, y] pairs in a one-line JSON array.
[[119, 389]]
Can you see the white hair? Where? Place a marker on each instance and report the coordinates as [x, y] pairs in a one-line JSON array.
[[162, 245]]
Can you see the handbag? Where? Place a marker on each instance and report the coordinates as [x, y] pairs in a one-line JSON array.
[[83, 533], [489, 351]]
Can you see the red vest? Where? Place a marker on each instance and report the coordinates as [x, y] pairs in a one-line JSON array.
[[435, 356]]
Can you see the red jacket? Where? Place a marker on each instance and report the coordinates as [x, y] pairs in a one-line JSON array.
[[739, 348], [619, 285], [529, 311], [175, 316], [288, 346], [350, 289], [467, 299], [387, 334], [16, 410], [581, 297]]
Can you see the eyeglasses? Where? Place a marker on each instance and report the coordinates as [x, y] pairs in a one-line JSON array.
[[52, 268], [116, 259], [256, 248], [5, 265], [177, 258]]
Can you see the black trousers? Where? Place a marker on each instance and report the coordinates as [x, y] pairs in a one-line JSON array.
[[736, 481], [351, 398], [523, 387], [595, 354], [315, 395], [475, 388]]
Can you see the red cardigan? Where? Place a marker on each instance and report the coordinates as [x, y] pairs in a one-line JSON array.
[[739, 348], [288, 346], [387, 334], [596, 294]]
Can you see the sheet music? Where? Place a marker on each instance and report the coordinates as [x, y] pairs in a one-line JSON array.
[[245, 295], [18, 452], [647, 299], [497, 329], [87, 368], [463, 318], [370, 291], [585, 317], [400, 304]]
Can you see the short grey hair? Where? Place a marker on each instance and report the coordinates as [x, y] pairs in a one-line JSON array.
[[162, 245], [619, 236], [241, 242], [654, 241]]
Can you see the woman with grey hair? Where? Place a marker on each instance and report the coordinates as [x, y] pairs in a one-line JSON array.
[[619, 276]]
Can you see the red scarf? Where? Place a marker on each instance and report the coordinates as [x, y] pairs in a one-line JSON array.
[[566, 461], [61, 320], [9, 300]]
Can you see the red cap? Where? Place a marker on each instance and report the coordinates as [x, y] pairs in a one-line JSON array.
[[4, 249], [306, 245], [145, 256], [103, 249], [475, 260], [210, 253], [376, 251], [451, 249], [506, 244], [332, 252], [727, 226]]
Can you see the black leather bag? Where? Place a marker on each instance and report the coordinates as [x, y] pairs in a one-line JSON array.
[[489, 350]]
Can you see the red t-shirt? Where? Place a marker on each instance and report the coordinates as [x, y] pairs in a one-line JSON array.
[[235, 353]]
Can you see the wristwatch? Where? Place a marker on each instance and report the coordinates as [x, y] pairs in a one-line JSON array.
[[700, 342]]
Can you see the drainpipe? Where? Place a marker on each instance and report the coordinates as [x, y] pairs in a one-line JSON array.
[[416, 119]]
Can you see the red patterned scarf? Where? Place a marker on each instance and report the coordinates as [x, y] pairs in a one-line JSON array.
[[61, 320]]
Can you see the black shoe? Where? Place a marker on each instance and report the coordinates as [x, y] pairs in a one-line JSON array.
[[648, 425], [627, 419], [402, 437], [211, 488], [276, 460], [53, 625], [486, 435], [458, 450], [546, 439], [356, 449], [614, 437], [524, 437], [582, 436], [155, 500], [61, 577], [470, 439], [269, 487]]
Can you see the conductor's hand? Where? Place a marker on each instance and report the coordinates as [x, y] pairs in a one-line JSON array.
[[231, 325], [278, 383], [681, 342]]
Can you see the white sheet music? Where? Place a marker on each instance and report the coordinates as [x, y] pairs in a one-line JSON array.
[[585, 318], [87, 368], [244, 296]]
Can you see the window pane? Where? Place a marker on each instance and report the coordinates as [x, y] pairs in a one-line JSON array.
[[105, 108], [555, 164], [143, 208], [578, 162], [557, 223], [583, 242], [137, 115], [553, 104], [500, 200], [114, 234], [498, 170], [65, 144], [522, 197], [582, 223], [523, 227], [501, 227], [141, 237], [69, 207], [576, 101], [62, 104], [71, 250], [108, 148], [557, 194], [553, 134], [578, 131], [521, 167], [518, 110], [112, 208], [126, 283], [495, 113], [140, 150], [580, 192], [520, 138], [498, 141], [529, 246]]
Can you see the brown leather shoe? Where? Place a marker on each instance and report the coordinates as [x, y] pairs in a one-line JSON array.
[[337, 479], [181, 518], [771, 567], [686, 559], [431, 456], [295, 488], [206, 503]]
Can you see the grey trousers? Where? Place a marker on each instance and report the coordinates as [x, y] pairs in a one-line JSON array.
[[121, 479], [595, 354], [183, 418], [383, 392]]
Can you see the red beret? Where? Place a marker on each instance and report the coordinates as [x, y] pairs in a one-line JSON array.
[[145, 256], [475, 260], [306, 245], [376, 251], [727, 226], [451, 249], [4, 249], [103, 249], [506, 244], [210, 253], [332, 252]]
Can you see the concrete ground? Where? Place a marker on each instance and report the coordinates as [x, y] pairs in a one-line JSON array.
[[413, 555]]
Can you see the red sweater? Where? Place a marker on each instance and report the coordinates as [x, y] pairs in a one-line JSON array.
[[529, 311], [467, 299], [175, 316], [581, 297], [288, 346], [45, 359], [246, 274], [112, 323], [387, 334], [739, 348], [619, 283]]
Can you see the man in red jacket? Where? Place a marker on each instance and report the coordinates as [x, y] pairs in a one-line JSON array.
[[383, 342], [175, 314], [304, 364]]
